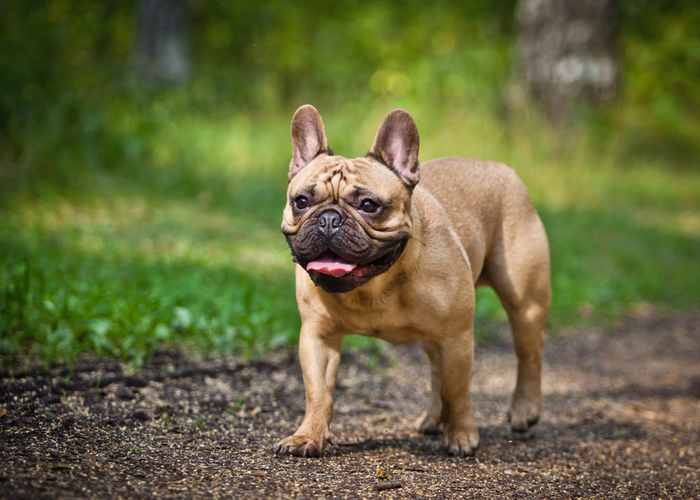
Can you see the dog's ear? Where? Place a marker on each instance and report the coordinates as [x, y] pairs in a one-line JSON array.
[[396, 145], [308, 138]]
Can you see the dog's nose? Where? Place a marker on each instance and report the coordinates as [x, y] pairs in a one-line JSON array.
[[329, 222]]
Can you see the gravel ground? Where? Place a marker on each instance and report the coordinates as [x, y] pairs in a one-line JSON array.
[[621, 420]]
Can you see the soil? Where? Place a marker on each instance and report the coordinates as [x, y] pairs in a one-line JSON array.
[[621, 419]]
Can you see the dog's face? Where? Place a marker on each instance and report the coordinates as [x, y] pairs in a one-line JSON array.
[[348, 220]]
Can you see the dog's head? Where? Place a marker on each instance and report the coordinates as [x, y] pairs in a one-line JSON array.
[[348, 220]]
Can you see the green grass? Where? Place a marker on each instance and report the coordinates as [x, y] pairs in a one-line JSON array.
[[124, 275], [182, 246], [135, 215]]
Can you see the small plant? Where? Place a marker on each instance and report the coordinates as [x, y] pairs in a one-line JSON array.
[[240, 403]]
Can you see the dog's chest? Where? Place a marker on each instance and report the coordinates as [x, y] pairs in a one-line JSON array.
[[394, 335], [398, 319]]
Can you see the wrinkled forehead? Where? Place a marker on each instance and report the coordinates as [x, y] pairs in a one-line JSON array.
[[335, 175]]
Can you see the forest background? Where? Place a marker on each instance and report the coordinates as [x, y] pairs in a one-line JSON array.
[[141, 188]]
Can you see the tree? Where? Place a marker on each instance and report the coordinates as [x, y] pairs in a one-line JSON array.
[[567, 49], [162, 51]]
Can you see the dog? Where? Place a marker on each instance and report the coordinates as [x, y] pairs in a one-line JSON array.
[[381, 254]]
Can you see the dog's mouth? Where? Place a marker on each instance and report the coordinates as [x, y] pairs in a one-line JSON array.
[[332, 264]]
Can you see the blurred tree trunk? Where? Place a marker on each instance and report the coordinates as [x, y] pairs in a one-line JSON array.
[[162, 42], [567, 49]]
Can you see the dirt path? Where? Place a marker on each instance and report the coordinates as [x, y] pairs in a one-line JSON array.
[[621, 420]]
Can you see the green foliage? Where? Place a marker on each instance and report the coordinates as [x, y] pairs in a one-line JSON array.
[[661, 81], [118, 303], [56, 58], [67, 79], [292, 49], [135, 215]]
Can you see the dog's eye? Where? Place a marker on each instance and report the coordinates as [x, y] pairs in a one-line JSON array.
[[301, 202], [369, 206]]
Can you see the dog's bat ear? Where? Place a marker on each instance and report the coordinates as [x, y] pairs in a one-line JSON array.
[[308, 138], [396, 145]]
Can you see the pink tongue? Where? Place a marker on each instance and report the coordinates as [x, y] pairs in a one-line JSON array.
[[333, 265]]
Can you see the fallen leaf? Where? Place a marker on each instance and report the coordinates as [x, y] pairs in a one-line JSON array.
[[258, 473], [381, 474]]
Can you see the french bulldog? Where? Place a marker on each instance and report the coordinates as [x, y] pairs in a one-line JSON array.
[[381, 254]]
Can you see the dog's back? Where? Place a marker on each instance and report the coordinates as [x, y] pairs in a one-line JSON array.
[[488, 205]]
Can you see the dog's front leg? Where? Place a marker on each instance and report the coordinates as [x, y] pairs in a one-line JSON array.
[[429, 421], [319, 356], [461, 437]]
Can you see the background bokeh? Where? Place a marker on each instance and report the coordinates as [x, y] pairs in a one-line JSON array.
[[140, 201]]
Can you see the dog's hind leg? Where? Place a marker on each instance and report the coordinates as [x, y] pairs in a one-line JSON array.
[[527, 322], [518, 269]]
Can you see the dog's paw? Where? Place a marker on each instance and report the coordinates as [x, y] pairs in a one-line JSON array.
[[461, 443], [301, 446], [523, 415], [428, 424]]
